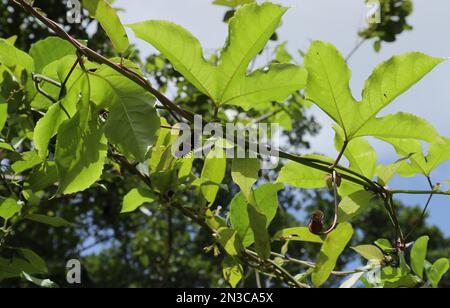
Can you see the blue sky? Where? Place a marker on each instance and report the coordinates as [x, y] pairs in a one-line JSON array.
[[338, 22]]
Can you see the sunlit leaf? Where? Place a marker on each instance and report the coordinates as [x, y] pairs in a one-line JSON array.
[[352, 205], [369, 252], [81, 148], [301, 234], [244, 172], [135, 198], [331, 249], [133, 122], [8, 208], [232, 270], [266, 200], [228, 83], [301, 176], [110, 22], [419, 254], [49, 50], [232, 3], [328, 86], [214, 171], [437, 271]]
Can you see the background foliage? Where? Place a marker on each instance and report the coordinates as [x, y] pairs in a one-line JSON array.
[[162, 248]]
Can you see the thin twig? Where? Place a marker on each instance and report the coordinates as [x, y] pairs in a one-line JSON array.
[[313, 265], [424, 212], [354, 50], [419, 192]]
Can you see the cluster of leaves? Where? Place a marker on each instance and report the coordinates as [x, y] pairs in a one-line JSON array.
[[91, 121], [16, 22], [393, 22]]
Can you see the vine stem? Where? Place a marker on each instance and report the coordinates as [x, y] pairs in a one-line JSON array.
[[313, 265], [355, 49], [290, 279], [341, 154], [420, 192], [424, 212]]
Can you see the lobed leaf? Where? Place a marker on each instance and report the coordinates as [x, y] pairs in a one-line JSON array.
[[328, 86], [228, 83]]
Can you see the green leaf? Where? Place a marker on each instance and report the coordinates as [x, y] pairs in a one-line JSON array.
[[282, 55], [20, 64], [398, 278], [133, 121], [328, 83], [47, 127], [43, 283], [13, 267], [232, 270], [44, 177], [301, 234], [15, 59], [186, 167], [6, 146], [301, 176], [359, 152], [331, 249], [8, 208], [11, 40], [328, 86], [49, 50], [81, 148], [266, 200], [3, 112], [419, 254], [393, 77], [369, 252], [399, 125], [135, 198], [230, 241], [28, 161], [385, 173], [56, 222], [232, 3], [244, 172], [437, 271], [110, 22], [384, 245], [352, 205], [228, 83], [35, 260], [214, 171], [258, 225], [419, 163]]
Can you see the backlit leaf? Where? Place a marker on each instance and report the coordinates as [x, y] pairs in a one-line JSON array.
[[419, 254], [228, 83], [331, 249], [110, 22], [135, 198]]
